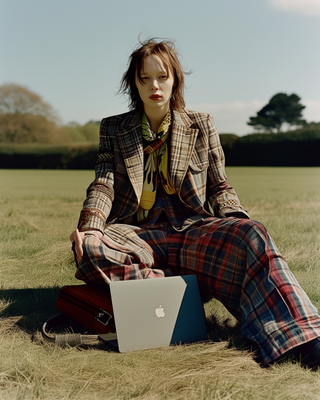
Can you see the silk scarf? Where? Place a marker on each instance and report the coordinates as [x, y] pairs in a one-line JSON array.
[[156, 160]]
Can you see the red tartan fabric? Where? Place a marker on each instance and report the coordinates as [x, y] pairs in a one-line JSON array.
[[234, 260]]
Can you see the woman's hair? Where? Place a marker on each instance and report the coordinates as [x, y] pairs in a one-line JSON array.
[[165, 50]]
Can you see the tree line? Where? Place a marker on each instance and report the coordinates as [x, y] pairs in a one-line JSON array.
[[26, 119]]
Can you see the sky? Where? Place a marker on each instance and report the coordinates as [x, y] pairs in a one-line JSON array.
[[73, 53]]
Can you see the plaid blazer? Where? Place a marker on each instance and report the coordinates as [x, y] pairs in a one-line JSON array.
[[197, 169]]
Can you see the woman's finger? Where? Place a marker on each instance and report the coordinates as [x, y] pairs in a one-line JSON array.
[[77, 239]]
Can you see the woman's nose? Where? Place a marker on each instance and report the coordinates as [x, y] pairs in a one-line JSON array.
[[155, 84]]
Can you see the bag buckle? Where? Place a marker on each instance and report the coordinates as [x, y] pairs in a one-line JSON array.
[[104, 317]]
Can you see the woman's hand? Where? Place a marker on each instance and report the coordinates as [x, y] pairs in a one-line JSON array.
[[76, 239]]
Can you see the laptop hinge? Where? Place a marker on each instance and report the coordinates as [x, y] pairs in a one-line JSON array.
[[108, 336]]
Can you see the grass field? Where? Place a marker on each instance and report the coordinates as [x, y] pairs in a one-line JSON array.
[[38, 211]]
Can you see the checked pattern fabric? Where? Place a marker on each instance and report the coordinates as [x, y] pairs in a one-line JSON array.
[[235, 261]]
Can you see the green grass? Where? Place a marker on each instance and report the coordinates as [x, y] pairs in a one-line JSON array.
[[38, 211]]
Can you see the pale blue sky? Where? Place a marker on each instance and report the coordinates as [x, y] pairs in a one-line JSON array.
[[242, 52]]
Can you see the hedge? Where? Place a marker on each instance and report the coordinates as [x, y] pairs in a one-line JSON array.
[[295, 148], [292, 149], [36, 156]]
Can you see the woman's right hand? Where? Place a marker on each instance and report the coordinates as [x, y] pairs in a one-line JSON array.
[[76, 239]]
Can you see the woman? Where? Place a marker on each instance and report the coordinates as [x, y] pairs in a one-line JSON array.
[[161, 204]]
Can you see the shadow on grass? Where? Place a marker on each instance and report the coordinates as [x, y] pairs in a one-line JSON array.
[[228, 331], [33, 306]]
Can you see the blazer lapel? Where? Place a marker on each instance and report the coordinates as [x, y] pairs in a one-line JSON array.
[[183, 140], [131, 146]]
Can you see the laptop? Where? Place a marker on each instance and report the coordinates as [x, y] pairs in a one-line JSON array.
[[151, 313]]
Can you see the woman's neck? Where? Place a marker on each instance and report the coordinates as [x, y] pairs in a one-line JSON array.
[[155, 116]]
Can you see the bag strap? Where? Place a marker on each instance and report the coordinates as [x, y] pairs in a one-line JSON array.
[[72, 339]]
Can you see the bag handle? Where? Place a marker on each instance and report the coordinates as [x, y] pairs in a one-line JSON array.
[[72, 339]]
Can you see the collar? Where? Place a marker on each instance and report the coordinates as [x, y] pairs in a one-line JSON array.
[[132, 119]]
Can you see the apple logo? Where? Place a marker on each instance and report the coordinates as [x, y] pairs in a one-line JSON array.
[[160, 312]]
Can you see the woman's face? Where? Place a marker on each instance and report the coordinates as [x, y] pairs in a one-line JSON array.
[[156, 88]]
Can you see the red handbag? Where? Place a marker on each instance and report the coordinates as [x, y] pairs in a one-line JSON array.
[[88, 305]]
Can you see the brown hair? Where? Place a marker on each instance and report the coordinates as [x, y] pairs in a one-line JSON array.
[[165, 50]]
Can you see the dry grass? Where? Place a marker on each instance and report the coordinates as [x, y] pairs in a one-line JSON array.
[[38, 211], [200, 371]]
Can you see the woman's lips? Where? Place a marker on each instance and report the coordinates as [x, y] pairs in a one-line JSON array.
[[155, 97]]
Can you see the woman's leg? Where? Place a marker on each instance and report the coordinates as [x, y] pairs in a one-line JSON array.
[[237, 262]]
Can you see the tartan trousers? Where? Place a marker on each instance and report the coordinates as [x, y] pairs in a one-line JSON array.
[[235, 261]]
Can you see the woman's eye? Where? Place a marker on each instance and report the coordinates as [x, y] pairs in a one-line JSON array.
[[163, 76]]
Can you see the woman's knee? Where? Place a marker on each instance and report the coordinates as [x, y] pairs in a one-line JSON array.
[[253, 226]]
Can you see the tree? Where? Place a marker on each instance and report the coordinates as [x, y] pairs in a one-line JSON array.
[[25, 117], [16, 99], [282, 108]]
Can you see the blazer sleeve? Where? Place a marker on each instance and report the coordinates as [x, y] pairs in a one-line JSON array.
[[223, 199], [100, 193]]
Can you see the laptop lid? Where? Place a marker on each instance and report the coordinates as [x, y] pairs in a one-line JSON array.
[[151, 313]]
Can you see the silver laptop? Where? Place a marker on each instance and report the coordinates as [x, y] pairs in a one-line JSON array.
[[151, 313]]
